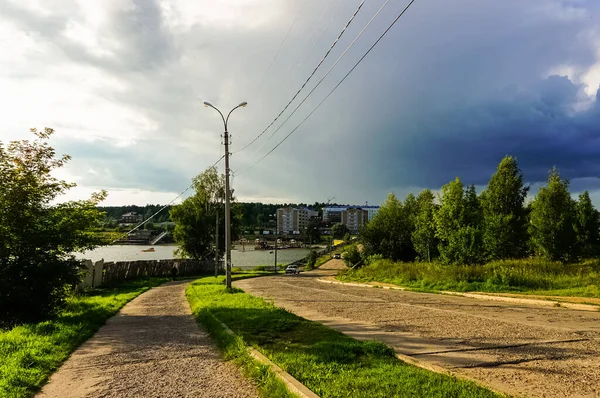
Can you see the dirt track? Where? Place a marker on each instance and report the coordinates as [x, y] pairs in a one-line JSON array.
[[519, 349], [152, 348]]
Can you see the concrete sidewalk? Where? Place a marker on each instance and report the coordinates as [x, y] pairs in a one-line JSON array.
[[151, 348]]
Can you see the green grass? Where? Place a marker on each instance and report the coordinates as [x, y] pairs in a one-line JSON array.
[[529, 276], [323, 259], [31, 352], [233, 347], [328, 362]]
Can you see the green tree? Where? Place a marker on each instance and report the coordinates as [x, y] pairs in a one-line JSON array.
[[352, 256], [389, 232], [587, 226], [423, 237], [458, 227], [311, 259], [504, 214], [552, 220], [38, 237], [339, 230], [195, 217], [312, 231]]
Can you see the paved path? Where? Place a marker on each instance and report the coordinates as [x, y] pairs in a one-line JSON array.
[[516, 348], [151, 348]]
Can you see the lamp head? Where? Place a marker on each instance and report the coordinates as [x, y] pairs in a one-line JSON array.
[[208, 104], [243, 104]]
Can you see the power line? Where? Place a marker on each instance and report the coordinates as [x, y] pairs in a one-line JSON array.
[[309, 77], [165, 206], [337, 85], [322, 78], [300, 58], [268, 92]]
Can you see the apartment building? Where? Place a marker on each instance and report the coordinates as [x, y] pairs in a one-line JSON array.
[[354, 218], [291, 220]]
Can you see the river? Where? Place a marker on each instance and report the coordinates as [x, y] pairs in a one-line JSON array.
[[244, 259]]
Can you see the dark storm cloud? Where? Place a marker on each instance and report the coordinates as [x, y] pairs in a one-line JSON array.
[[539, 126], [450, 90]]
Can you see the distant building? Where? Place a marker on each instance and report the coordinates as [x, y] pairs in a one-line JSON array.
[[131, 218], [371, 211], [354, 218], [292, 220], [334, 214]]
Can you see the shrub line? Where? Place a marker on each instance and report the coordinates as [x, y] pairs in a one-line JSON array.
[[291, 383], [479, 296]]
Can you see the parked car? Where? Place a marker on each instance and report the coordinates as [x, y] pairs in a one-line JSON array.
[[292, 269], [337, 255]]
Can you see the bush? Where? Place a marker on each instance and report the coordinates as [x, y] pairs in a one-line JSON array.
[[352, 256], [311, 259], [501, 275]]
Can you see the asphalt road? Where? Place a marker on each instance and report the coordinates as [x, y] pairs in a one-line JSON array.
[[519, 349]]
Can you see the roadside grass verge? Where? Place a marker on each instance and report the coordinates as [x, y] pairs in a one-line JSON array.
[[31, 352], [326, 361], [322, 259], [529, 276]]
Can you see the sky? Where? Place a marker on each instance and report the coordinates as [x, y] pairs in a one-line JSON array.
[[448, 91]]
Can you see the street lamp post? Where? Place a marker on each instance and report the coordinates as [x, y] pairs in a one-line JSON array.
[[227, 194]]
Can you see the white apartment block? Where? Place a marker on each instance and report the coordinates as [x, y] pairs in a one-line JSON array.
[[292, 220]]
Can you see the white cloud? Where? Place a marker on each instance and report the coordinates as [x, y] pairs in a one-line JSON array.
[[122, 82]]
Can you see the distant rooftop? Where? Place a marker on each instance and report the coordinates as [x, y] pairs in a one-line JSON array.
[[341, 207]]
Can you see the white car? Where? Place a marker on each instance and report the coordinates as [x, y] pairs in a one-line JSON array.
[[292, 269]]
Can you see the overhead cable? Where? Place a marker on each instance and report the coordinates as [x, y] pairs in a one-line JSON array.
[[322, 78], [335, 88], [309, 77]]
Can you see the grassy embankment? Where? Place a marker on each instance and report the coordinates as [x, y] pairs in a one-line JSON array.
[[31, 352], [530, 276], [328, 362]]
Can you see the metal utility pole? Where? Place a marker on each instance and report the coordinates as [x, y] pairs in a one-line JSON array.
[[275, 268], [227, 194], [217, 245]]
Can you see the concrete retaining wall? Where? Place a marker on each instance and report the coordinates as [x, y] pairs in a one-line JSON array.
[[108, 273]]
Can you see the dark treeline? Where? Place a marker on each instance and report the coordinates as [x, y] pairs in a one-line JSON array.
[[461, 227], [255, 215]]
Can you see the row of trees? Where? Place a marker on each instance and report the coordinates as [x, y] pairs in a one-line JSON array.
[[464, 227]]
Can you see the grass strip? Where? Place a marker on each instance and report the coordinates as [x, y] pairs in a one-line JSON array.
[[529, 276], [31, 352], [233, 347], [326, 361]]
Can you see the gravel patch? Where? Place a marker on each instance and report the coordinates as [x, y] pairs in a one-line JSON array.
[[152, 348]]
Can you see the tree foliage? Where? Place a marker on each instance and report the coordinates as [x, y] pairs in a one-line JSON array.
[[504, 215], [587, 226], [466, 228], [423, 236], [458, 224], [37, 236], [196, 216], [389, 232], [552, 220], [339, 230]]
